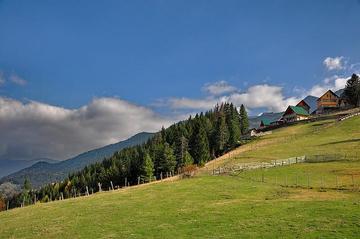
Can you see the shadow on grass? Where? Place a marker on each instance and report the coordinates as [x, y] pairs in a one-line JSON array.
[[342, 142]]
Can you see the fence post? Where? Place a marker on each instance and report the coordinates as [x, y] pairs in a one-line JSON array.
[[7, 205], [112, 185], [99, 184], [125, 183], [138, 180]]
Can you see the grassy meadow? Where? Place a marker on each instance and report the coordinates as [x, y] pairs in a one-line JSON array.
[[235, 205]]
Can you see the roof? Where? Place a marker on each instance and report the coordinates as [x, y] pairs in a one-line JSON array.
[[266, 122], [298, 110], [303, 101], [327, 92]]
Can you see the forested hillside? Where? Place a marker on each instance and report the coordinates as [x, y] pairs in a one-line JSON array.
[[43, 172], [193, 141]]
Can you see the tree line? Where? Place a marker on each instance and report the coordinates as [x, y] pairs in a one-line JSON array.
[[194, 141]]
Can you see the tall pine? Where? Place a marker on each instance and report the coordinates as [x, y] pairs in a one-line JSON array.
[[199, 144], [244, 120]]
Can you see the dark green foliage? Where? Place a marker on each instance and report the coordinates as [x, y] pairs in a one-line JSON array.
[[193, 141], [244, 120], [199, 144], [352, 90]]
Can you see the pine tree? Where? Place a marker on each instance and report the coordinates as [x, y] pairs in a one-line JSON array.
[[234, 127], [147, 168], [27, 184], [244, 120], [352, 90], [188, 160], [181, 147], [199, 144], [221, 133], [167, 160]]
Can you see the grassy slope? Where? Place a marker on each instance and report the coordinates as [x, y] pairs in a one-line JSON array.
[[218, 206]]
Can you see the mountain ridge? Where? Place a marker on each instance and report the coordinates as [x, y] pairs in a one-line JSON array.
[[43, 172]]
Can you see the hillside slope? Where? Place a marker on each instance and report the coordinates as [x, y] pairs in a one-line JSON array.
[[42, 172], [11, 166], [227, 206]]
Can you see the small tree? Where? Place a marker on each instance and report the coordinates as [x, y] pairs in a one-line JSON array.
[[188, 160], [27, 184], [148, 168]]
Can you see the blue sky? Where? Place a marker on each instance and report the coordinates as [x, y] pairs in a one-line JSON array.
[[171, 57]]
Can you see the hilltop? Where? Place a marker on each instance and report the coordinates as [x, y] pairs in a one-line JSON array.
[[238, 204]]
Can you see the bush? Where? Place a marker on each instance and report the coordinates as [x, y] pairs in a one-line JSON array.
[[190, 170]]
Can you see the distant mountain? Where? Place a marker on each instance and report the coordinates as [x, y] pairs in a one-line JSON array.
[[10, 166], [254, 121], [43, 172]]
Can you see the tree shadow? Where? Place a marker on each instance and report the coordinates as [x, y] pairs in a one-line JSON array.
[[342, 142]]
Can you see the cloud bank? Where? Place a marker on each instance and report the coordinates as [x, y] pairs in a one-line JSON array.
[[33, 129], [258, 96]]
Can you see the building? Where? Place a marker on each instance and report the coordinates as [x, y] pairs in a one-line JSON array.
[[295, 113], [265, 123], [327, 102], [304, 105]]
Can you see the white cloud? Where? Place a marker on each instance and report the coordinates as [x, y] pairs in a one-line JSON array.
[[33, 129], [333, 83], [16, 79], [258, 96], [219, 88], [334, 63]]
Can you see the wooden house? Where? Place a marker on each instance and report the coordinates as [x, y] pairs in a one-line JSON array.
[[304, 105], [327, 102], [295, 113]]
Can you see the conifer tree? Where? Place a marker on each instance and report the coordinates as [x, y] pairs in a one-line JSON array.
[[352, 90], [234, 127], [147, 168], [199, 144], [244, 120], [221, 133]]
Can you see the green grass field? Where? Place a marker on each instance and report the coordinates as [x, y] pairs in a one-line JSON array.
[[235, 205]]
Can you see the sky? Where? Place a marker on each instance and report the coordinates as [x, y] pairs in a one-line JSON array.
[[76, 75]]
